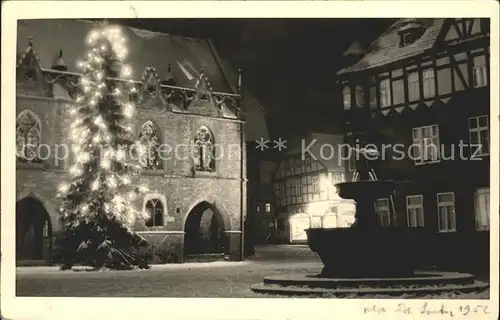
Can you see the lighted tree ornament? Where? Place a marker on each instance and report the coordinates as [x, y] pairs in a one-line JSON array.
[[96, 210]]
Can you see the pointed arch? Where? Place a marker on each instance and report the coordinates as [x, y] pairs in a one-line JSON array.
[[155, 205], [204, 150], [33, 230], [28, 136], [218, 205], [150, 139], [33, 193], [205, 225]]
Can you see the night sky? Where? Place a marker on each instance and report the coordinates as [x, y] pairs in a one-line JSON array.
[[288, 64]]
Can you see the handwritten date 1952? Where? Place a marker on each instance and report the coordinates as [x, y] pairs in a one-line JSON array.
[[427, 309]]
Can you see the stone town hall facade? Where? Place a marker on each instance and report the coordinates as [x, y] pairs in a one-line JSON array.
[[183, 97]]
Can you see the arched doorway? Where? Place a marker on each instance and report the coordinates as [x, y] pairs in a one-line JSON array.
[[33, 230], [204, 230]]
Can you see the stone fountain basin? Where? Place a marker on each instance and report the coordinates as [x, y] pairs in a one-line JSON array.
[[380, 252], [372, 189]]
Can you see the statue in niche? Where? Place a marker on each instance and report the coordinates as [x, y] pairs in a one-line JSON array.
[[203, 87], [28, 131], [32, 144], [20, 145], [150, 82], [204, 150], [150, 140], [207, 153], [197, 156]]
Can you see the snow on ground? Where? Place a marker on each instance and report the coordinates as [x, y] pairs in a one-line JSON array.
[[211, 279]]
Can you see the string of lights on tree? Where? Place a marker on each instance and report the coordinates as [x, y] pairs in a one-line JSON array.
[[102, 139]]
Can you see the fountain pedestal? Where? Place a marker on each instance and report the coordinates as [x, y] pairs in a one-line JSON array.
[[367, 258], [365, 250]]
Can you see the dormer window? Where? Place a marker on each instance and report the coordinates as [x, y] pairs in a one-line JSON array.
[[407, 38], [410, 30]]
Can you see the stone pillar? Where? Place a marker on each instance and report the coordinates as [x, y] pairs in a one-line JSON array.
[[233, 240], [365, 214]]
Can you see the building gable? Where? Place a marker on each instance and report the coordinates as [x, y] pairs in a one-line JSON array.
[[29, 69], [295, 165], [458, 30], [169, 73], [173, 57]]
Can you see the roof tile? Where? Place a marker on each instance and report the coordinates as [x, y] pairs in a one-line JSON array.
[[385, 49]]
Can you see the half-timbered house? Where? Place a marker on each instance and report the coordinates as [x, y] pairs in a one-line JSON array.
[[420, 92], [305, 196]]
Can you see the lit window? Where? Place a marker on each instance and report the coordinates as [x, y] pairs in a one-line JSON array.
[[480, 75], [429, 82], [315, 183], [385, 93], [336, 177], [413, 86], [482, 209], [426, 147], [415, 211], [347, 98], [479, 139], [268, 207], [446, 212], [316, 222], [383, 212]]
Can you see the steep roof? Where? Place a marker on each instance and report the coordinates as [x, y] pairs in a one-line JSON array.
[[355, 49], [256, 124], [184, 55], [385, 49]]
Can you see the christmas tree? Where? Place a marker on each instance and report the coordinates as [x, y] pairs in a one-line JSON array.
[[96, 211]]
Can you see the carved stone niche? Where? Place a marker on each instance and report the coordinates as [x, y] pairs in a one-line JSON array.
[[203, 88], [202, 101], [150, 94]]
